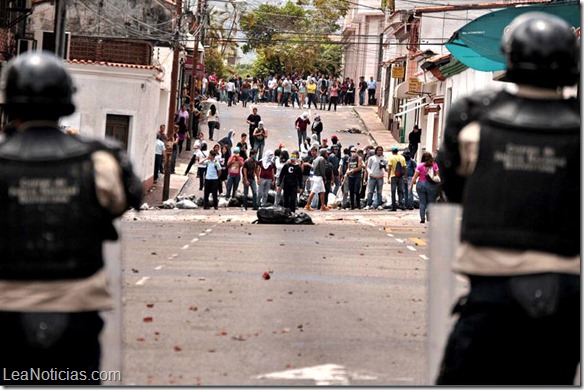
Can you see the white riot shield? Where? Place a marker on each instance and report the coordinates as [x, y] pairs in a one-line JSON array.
[[443, 286], [111, 335]]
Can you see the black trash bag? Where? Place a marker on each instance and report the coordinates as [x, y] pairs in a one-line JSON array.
[[275, 215], [302, 218]]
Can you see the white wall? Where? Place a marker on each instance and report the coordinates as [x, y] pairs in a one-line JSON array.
[[103, 90]]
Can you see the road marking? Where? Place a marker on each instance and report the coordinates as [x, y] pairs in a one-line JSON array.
[[389, 235], [194, 240], [424, 257], [399, 240], [173, 256], [208, 230], [185, 247], [418, 241], [324, 375], [411, 248], [202, 234], [388, 230], [367, 223], [159, 267], [142, 281]]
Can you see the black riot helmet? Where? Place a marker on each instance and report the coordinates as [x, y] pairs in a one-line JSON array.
[[37, 85], [541, 50]]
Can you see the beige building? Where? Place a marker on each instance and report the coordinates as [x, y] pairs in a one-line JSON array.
[[362, 34]]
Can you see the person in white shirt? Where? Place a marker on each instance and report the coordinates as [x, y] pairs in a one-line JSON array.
[[230, 92], [371, 85]]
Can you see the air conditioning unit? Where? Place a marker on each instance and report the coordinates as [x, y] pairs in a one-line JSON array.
[[24, 45], [45, 40]]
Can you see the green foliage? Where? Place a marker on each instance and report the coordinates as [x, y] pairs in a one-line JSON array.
[[214, 62], [290, 38]]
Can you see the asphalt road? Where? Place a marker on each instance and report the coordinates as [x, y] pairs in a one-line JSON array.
[[279, 121], [345, 302]]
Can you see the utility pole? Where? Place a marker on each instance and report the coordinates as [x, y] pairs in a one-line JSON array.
[[197, 29], [172, 104], [197, 26], [59, 27]]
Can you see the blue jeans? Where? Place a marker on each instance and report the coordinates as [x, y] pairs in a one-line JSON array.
[[322, 100], [312, 99], [232, 182], [254, 193], [259, 146], [211, 125], [265, 185], [301, 139], [398, 183], [254, 95], [377, 185], [409, 194], [285, 97], [427, 195], [361, 98]]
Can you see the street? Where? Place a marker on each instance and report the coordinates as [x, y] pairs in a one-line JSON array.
[[348, 292], [345, 302]]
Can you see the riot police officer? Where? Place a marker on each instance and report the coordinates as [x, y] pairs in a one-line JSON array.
[[59, 196], [512, 159]]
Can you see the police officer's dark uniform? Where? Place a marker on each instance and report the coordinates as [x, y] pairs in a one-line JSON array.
[[59, 195], [513, 160]]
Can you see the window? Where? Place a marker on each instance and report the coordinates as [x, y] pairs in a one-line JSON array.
[[118, 127]]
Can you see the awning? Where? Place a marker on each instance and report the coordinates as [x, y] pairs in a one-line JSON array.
[[478, 44], [401, 91]]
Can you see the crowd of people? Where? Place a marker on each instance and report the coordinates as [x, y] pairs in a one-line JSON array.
[[314, 167], [289, 90]]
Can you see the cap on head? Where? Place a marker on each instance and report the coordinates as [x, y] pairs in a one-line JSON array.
[[38, 82], [541, 50], [236, 149], [406, 152], [334, 137], [305, 115], [353, 149], [394, 148]]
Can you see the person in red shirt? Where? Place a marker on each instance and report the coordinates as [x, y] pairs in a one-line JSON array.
[[301, 125]]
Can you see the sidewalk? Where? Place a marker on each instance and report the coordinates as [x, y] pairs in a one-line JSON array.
[[377, 131], [153, 196]]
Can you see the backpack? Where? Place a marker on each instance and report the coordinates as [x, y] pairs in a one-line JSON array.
[[399, 170]]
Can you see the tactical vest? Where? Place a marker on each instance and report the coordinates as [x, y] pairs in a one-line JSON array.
[[525, 190], [51, 223]]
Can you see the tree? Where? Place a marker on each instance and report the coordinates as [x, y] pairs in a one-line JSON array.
[[290, 38], [214, 62]]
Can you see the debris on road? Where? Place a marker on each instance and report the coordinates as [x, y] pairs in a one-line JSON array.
[[266, 276]]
